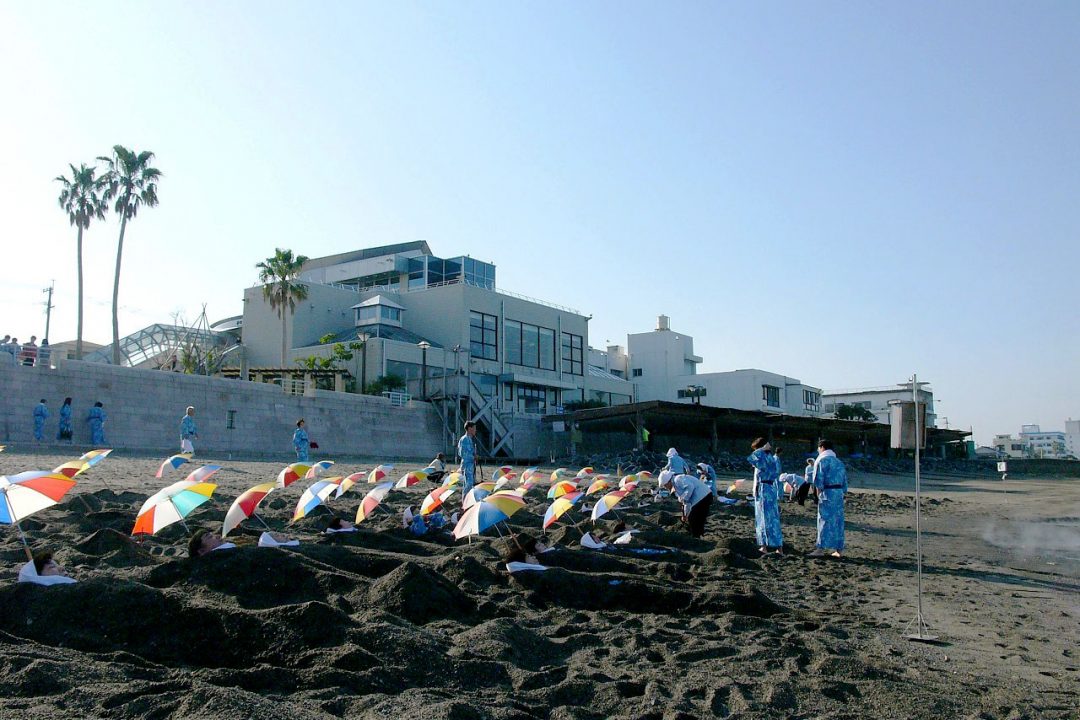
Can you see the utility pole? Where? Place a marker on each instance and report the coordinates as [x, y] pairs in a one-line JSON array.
[[48, 307]]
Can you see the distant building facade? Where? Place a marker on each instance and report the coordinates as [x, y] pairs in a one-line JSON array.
[[1043, 443], [878, 401], [1072, 437]]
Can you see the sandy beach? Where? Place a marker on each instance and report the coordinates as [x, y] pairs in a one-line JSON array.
[[380, 624]]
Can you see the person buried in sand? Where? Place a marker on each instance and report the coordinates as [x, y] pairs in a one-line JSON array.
[[43, 570]]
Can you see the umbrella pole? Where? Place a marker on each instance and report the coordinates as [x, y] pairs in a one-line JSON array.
[[512, 534], [185, 526], [26, 545], [256, 516], [501, 536]]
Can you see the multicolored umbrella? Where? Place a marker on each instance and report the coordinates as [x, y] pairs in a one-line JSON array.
[[411, 478], [291, 473], [318, 468], [742, 485], [26, 493], [77, 467], [560, 506], [628, 480], [478, 493], [486, 513], [585, 472], [559, 473], [598, 485], [379, 473], [501, 472], [371, 501], [174, 503], [452, 479], [644, 475], [608, 502], [348, 481], [315, 495], [244, 507], [562, 488], [435, 499], [173, 462]]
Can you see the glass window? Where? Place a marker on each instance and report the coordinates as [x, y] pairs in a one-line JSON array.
[[530, 345], [390, 313], [367, 314], [572, 354], [483, 336], [771, 395], [532, 399], [636, 372], [547, 349], [513, 342]]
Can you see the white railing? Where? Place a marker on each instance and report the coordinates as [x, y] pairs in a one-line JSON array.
[[397, 399]]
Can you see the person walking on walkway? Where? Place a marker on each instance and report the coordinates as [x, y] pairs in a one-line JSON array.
[[301, 442], [188, 432], [41, 414], [96, 418]]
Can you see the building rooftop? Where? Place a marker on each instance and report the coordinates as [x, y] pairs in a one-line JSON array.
[[353, 255]]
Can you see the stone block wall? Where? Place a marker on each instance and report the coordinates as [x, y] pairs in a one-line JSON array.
[[144, 408]]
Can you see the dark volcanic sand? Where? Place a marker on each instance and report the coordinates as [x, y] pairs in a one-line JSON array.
[[383, 625]]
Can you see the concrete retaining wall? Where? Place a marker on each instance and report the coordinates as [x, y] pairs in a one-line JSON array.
[[144, 408]]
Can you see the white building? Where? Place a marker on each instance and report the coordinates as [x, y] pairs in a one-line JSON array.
[[1072, 437], [878, 400], [1010, 446], [441, 324], [662, 365], [1043, 443]]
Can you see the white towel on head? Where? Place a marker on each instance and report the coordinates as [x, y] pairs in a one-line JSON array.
[[671, 452], [406, 518], [516, 566], [28, 573], [267, 540], [626, 537], [331, 531], [590, 542]]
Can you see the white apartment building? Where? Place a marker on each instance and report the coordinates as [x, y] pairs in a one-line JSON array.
[[662, 366], [878, 400], [1010, 446], [1072, 437], [443, 326], [1043, 443]]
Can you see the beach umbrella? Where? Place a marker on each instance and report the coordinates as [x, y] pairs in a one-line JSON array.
[[318, 468], [291, 473], [411, 478], [315, 495], [598, 485], [486, 513], [561, 505], [244, 507], [452, 479], [629, 480], [84, 463], [174, 503], [478, 493], [26, 493], [435, 499], [501, 472], [379, 473], [562, 488], [644, 475], [371, 501], [742, 485], [347, 482], [585, 472], [559, 473], [608, 502], [173, 462]]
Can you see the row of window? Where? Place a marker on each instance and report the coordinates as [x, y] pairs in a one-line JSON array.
[[527, 345]]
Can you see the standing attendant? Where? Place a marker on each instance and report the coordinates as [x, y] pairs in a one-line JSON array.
[[830, 479], [301, 442], [466, 449], [770, 538], [96, 418], [44, 358], [188, 433], [41, 414], [64, 431]]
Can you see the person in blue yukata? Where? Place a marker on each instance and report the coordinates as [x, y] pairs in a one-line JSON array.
[[466, 450], [96, 418], [696, 499], [64, 432], [770, 538], [301, 442], [188, 433], [830, 479], [41, 414]]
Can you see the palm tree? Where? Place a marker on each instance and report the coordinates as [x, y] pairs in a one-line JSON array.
[[132, 183], [82, 198], [277, 274]]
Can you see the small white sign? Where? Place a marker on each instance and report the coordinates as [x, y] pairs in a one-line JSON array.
[[1003, 467], [558, 426]]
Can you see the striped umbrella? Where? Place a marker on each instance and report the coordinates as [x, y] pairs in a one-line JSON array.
[[598, 485], [371, 501], [244, 507], [628, 480], [585, 472], [608, 502], [315, 495], [501, 472], [379, 473], [411, 478], [452, 479], [347, 482], [560, 473], [560, 507], [486, 513], [318, 468], [291, 473], [478, 493], [77, 467], [174, 503], [562, 488], [172, 463], [435, 499], [26, 493]]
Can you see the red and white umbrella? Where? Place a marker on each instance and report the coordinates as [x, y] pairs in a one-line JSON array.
[[371, 501]]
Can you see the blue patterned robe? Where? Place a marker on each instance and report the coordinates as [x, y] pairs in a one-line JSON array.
[[766, 499], [96, 418], [830, 479], [41, 413], [64, 431], [302, 443], [466, 449]]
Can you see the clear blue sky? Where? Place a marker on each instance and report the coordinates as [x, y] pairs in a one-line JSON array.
[[841, 192]]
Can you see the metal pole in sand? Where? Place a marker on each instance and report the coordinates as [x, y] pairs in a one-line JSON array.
[[920, 634]]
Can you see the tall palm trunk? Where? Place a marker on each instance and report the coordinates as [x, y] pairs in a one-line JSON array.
[[78, 330], [116, 294], [284, 346]]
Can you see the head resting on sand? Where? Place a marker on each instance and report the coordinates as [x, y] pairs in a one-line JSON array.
[[202, 542]]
